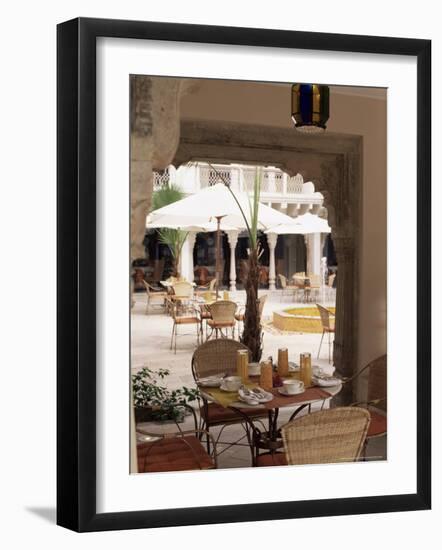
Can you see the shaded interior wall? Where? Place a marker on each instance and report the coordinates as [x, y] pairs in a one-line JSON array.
[[270, 105]]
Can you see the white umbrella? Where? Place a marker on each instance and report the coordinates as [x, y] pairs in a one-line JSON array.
[[213, 203], [216, 204], [181, 225], [302, 225]]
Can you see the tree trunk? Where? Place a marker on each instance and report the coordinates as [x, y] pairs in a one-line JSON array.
[[252, 334]]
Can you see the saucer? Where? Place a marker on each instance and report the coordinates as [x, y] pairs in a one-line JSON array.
[[223, 388], [283, 391], [210, 382], [326, 381]]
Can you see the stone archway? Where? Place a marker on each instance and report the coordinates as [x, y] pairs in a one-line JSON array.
[[333, 162]]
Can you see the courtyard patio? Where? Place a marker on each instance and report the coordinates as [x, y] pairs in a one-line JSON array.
[[151, 342]]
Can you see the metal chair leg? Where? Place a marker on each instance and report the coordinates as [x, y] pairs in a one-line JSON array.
[[171, 339], [320, 344], [329, 346]]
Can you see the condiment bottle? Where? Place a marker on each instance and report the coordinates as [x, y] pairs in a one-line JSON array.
[[266, 376], [306, 369], [242, 365], [283, 362]]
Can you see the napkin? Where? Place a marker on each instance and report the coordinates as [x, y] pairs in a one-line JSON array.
[[247, 396]]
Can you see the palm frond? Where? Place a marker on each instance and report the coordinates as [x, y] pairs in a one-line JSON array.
[[166, 195]]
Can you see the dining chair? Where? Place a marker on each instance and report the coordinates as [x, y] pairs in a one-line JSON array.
[[172, 452], [325, 437], [222, 318], [183, 290], [328, 327], [376, 402], [330, 290], [184, 314], [287, 288], [312, 286], [218, 357], [239, 315], [154, 296]]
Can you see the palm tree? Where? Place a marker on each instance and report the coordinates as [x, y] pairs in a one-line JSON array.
[[173, 238], [252, 333]]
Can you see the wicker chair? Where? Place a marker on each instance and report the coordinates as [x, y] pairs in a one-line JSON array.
[[324, 437], [328, 326], [376, 402], [218, 357], [240, 315], [183, 314], [286, 288], [222, 318], [312, 286], [154, 296], [173, 452], [183, 290], [330, 290]]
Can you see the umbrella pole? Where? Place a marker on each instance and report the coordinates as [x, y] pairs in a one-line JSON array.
[[218, 253]]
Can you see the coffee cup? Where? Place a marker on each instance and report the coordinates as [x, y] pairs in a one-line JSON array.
[[293, 386], [232, 383]]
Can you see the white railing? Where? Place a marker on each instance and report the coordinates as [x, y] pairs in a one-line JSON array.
[[294, 184], [160, 179], [275, 181], [220, 174]]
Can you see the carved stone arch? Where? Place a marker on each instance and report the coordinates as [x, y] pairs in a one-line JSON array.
[[333, 162]]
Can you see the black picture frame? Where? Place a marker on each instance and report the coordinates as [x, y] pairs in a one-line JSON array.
[[76, 273]]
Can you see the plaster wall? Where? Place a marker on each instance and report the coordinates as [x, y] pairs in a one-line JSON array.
[[352, 111]]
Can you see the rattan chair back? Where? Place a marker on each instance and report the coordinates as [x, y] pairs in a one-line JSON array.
[[377, 382], [216, 357], [331, 279], [261, 304], [326, 437], [183, 289], [283, 281], [315, 280], [222, 311], [327, 317]]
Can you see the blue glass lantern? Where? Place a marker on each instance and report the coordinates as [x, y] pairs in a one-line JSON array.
[[310, 107]]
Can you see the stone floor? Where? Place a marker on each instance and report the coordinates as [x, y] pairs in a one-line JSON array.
[[151, 347]]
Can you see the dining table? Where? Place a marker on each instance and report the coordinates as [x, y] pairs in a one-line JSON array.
[[269, 439]]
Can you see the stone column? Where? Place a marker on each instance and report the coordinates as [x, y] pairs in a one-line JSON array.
[[232, 237], [154, 138], [292, 210], [346, 318], [271, 240], [313, 242], [186, 262]]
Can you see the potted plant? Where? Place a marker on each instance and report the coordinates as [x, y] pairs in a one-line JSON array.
[[153, 401], [173, 238], [252, 335]]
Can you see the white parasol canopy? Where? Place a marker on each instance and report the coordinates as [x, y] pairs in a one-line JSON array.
[[215, 208], [216, 202], [302, 225]]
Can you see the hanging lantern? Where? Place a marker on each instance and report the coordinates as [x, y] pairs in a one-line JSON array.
[[310, 107]]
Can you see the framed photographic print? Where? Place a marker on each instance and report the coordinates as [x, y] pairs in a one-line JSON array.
[[243, 274]]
